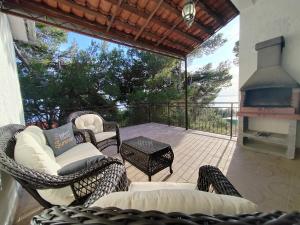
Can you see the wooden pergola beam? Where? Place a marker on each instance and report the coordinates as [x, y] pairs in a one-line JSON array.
[[153, 36], [166, 34], [70, 3], [114, 15], [96, 30], [148, 20], [210, 12], [158, 20]]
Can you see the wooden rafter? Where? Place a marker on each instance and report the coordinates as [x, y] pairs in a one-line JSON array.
[[153, 36], [210, 12], [116, 21], [95, 13], [166, 34], [148, 20], [159, 21], [114, 15], [97, 30]]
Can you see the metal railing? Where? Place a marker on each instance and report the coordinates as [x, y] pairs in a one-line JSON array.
[[220, 118]]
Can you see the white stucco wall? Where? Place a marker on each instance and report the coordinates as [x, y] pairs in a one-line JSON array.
[[11, 108], [261, 20], [11, 111]]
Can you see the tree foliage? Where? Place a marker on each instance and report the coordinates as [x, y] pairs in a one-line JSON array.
[[236, 51], [56, 81]]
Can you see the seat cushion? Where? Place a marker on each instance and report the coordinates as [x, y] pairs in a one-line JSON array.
[[105, 135], [81, 165], [90, 121], [58, 196], [77, 153], [151, 186], [186, 201]]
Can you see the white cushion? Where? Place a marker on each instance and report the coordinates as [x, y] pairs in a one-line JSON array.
[[76, 153], [58, 196], [64, 196], [151, 186], [90, 121], [39, 136], [32, 151], [104, 135], [186, 201]]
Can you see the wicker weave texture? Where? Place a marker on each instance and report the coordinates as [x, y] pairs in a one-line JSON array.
[[84, 183], [211, 177], [114, 216], [147, 155]]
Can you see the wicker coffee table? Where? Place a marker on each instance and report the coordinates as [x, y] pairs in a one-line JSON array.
[[147, 155]]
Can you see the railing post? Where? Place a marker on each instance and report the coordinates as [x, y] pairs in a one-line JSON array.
[[186, 94], [231, 115], [149, 112], [169, 122]]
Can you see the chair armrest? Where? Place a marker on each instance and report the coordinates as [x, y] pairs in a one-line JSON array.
[[110, 126], [210, 176], [88, 135], [108, 172], [80, 135]]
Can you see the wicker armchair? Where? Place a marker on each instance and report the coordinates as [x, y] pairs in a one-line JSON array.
[[107, 126], [108, 175], [210, 178]]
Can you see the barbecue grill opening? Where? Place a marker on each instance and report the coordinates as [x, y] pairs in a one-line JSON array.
[[268, 97]]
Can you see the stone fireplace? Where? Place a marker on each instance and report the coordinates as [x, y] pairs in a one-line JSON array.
[[270, 93]]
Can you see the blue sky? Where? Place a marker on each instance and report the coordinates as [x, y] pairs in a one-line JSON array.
[[230, 32]]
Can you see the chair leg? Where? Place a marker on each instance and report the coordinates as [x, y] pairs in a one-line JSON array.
[[118, 145]]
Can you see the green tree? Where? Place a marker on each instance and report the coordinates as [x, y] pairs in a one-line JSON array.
[[236, 51], [55, 82], [207, 82]]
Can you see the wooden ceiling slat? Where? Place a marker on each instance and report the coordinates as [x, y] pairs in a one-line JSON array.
[[114, 15], [210, 12], [154, 25], [153, 36], [156, 20], [112, 35], [96, 13], [166, 34], [148, 20]]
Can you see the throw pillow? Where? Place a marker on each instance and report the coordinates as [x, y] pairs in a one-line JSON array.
[[80, 165], [61, 139]]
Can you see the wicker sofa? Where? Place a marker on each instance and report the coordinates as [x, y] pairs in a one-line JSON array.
[[103, 134], [105, 176]]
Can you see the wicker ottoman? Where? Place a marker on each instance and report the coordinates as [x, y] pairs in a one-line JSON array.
[[147, 155]]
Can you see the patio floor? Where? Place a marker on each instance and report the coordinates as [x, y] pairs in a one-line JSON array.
[[270, 181]]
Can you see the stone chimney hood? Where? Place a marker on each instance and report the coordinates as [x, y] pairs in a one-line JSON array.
[[269, 73]]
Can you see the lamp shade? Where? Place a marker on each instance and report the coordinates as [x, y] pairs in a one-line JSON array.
[[189, 12]]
